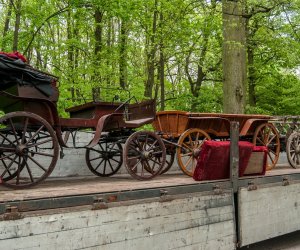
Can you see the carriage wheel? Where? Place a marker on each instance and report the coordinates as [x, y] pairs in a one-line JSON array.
[[170, 153], [144, 155], [190, 143], [105, 159], [28, 149], [293, 149], [267, 135]]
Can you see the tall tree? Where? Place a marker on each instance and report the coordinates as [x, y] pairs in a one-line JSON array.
[[234, 56]]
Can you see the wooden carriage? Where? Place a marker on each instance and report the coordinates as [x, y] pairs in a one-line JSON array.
[[185, 132]]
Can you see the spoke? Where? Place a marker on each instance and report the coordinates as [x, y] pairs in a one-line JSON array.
[[187, 163], [157, 162], [138, 144], [99, 165], [99, 157], [268, 133], [157, 153], [104, 168], [111, 167], [6, 156], [115, 160], [13, 129], [18, 171], [190, 140], [293, 145], [197, 137], [9, 166], [143, 168], [24, 130], [205, 139], [146, 142], [298, 159], [5, 138], [187, 147], [187, 154], [34, 135], [132, 147], [95, 150], [28, 169], [193, 165], [153, 144], [38, 143], [135, 165], [258, 139], [38, 164], [271, 140], [271, 151], [148, 166], [6, 149], [133, 158], [40, 153], [271, 158]]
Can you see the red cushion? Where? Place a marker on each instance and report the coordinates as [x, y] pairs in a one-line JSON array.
[[214, 160]]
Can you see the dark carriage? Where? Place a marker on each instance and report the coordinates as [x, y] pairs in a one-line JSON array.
[[185, 132], [32, 134]]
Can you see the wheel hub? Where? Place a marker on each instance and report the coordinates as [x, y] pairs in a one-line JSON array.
[[146, 155], [21, 149], [196, 152]]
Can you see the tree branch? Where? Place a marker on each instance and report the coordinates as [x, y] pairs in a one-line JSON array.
[[43, 23]]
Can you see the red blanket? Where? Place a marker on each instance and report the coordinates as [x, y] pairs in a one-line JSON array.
[[14, 55], [214, 160]]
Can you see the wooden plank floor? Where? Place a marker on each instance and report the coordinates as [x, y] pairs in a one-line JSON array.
[[70, 186]]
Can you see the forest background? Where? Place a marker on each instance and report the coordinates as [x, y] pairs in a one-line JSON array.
[[184, 53]]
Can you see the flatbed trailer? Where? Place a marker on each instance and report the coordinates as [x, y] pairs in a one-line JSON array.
[[169, 212]]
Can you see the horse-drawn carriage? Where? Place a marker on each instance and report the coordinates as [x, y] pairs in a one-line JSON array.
[[183, 134], [32, 133]]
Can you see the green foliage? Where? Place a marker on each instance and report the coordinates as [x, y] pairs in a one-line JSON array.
[[59, 37]]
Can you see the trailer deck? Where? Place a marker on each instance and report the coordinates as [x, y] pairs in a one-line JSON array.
[[74, 191]]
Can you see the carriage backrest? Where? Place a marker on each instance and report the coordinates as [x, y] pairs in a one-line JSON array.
[[20, 79]]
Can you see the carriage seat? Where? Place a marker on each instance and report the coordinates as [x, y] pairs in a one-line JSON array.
[[139, 122]]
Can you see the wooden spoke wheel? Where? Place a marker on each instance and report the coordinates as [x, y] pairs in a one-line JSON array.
[[190, 143], [105, 159], [293, 149], [28, 149], [144, 155], [266, 135]]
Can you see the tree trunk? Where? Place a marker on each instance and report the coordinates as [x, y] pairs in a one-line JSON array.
[[17, 24], [251, 78], [151, 56], [98, 30], [6, 24], [70, 47], [123, 56], [161, 64], [234, 57]]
